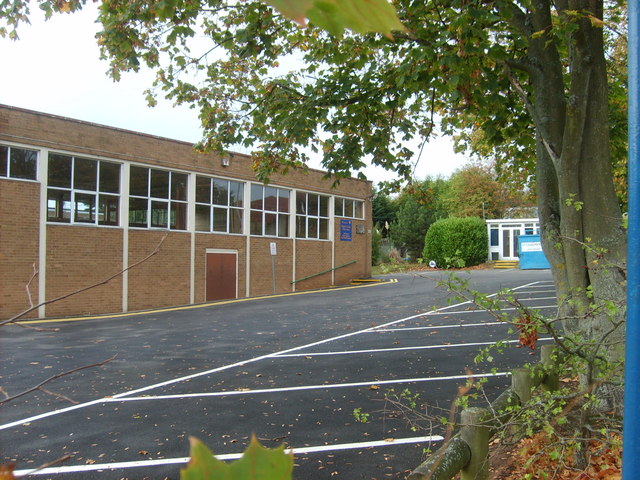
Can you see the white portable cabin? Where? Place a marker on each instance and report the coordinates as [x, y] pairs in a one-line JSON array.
[[504, 233]]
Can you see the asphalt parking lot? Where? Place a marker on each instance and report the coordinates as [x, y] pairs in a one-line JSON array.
[[287, 368]]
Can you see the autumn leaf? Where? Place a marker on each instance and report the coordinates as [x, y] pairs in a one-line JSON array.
[[6, 471], [361, 16], [257, 463]]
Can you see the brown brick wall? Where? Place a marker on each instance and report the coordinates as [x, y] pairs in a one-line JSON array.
[[261, 276], [19, 237], [358, 249], [79, 256], [313, 257], [163, 280], [223, 242]]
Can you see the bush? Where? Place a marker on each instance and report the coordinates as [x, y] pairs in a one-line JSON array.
[[376, 239], [456, 242]]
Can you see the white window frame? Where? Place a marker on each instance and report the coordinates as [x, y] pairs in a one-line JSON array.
[[309, 218], [168, 200], [75, 192], [228, 207]]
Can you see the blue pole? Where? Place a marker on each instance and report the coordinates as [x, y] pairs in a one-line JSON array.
[[631, 441]]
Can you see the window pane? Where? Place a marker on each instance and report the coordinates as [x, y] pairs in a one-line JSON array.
[[85, 172], [283, 203], [179, 186], [219, 219], [59, 174], [203, 190], [271, 199], [359, 209], [235, 220], [301, 203], [324, 206], [4, 158], [159, 214], [301, 226], [159, 184], [85, 208], [109, 177], [348, 207], [236, 190], [139, 182], [256, 196], [283, 225], [138, 212], [58, 205], [220, 192], [178, 216], [23, 163], [338, 208], [203, 220], [495, 237], [312, 225], [256, 223], [270, 224], [313, 204], [108, 210], [324, 229]]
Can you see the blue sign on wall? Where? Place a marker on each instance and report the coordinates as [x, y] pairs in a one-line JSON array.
[[345, 230]]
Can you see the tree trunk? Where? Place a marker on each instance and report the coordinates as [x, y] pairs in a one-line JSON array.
[[582, 231]]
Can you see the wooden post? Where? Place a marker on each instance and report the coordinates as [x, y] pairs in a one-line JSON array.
[[476, 434], [548, 358], [522, 383]]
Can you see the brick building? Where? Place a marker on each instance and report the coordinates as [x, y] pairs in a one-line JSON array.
[[80, 202]]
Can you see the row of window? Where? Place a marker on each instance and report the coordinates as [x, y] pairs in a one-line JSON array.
[[84, 190]]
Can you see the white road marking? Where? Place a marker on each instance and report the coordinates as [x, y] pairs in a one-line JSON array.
[[479, 310], [231, 456], [301, 388], [398, 349], [233, 365]]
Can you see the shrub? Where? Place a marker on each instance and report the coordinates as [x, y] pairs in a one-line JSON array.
[[376, 238], [456, 242]]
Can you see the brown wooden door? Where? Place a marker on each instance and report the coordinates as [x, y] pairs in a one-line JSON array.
[[221, 276]]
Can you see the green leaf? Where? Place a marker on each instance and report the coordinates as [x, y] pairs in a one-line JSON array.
[[361, 16], [257, 463]]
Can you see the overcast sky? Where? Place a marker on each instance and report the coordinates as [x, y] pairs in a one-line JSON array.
[[55, 68]]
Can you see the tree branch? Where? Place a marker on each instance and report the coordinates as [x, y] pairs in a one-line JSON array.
[[84, 289], [54, 377]]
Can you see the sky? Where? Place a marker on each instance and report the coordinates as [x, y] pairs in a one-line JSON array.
[[55, 68]]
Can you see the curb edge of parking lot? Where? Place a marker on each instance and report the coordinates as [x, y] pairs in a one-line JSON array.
[[200, 305]]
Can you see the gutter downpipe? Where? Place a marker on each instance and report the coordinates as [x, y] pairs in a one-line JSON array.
[[631, 424]]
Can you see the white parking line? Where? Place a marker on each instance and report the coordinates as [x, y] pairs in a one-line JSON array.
[[229, 366], [479, 310], [399, 349], [231, 456], [329, 386]]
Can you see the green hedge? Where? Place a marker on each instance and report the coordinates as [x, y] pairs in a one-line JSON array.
[[456, 242]]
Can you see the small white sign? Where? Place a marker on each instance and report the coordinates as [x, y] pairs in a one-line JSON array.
[[274, 250], [530, 247]]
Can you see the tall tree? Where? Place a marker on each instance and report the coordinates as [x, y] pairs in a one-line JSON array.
[[419, 205], [530, 75], [474, 191], [384, 210]]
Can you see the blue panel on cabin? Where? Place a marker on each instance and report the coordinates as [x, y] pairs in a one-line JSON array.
[[531, 254]]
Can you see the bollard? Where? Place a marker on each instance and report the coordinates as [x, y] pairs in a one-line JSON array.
[[476, 434], [522, 383], [548, 357]]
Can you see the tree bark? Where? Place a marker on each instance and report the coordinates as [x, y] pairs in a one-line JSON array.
[[581, 222]]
